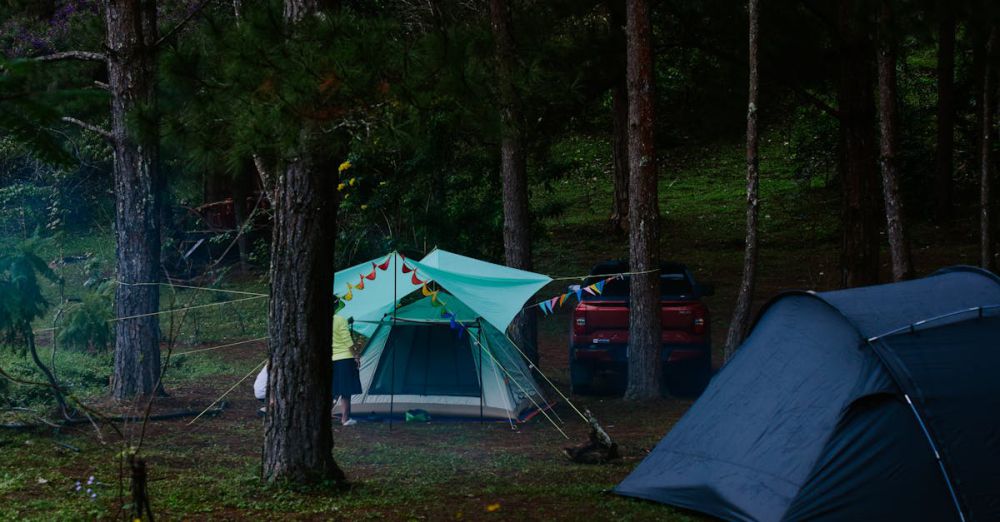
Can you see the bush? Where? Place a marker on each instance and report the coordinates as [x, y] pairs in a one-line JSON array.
[[87, 326]]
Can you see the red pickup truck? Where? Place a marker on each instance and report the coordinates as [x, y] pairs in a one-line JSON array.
[[598, 348]]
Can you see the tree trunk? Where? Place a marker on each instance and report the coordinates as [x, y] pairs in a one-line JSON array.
[[619, 125], [741, 313], [644, 364], [945, 109], [899, 248], [513, 171], [131, 37], [859, 207], [298, 440], [988, 106]]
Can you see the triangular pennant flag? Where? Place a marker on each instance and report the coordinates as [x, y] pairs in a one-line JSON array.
[[599, 286], [361, 285], [340, 306], [349, 295], [371, 276], [589, 289], [426, 291], [385, 264], [579, 293], [552, 303], [544, 306], [414, 279], [434, 297], [562, 299], [406, 269]]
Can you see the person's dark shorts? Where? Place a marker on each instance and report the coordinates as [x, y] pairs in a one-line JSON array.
[[346, 378]]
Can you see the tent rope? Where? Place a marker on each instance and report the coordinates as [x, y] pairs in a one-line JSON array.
[[231, 388], [546, 377], [200, 350], [512, 379]]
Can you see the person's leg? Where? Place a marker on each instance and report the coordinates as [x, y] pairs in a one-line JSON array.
[[346, 399]]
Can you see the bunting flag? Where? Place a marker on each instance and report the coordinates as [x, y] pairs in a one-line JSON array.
[[426, 291], [361, 285], [589, 290], [340, 306], [552, 303], [406, 269], [371, 276], [385, 264], [579, 293], [414, 279], [599, 286], [562, 299], [544, 305], [349, 295]]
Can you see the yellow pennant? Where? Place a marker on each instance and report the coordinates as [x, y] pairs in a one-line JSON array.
[[426, 291], [349, 295]]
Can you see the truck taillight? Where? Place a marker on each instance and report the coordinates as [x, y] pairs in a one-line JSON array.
[[698, 325], [579, 322]]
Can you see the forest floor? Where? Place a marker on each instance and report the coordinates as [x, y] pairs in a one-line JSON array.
[[439, 470]]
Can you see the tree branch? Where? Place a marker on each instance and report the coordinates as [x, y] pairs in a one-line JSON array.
[[170, 34], [86, 56], [102, 85], [93, 128]]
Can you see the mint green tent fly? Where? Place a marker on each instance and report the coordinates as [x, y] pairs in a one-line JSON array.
[[418, 358], [496, 293]]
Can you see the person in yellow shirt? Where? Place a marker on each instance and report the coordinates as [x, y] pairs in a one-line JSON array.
[[346, 366]]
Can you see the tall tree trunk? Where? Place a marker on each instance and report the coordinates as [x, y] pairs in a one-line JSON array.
[[988, 107], [741, 314], [298, 440], [859, 207], [644, 364], [513, 171], [899, 248], [131, 39], [945, 109], [619, 124]]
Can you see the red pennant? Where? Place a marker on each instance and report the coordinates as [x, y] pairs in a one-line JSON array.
[[385, 264], [361, 285], [414, 280], [371, 276], [406, 269]]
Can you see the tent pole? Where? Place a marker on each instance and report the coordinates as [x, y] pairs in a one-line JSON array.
[[480, 343], [395, 303]]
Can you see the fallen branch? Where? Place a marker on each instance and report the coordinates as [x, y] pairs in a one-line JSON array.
[[18, 426], [600, 449]]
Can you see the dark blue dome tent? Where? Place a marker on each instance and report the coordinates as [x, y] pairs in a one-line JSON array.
[[875, 403]]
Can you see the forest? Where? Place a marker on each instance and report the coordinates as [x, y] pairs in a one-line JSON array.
[[194, 193]]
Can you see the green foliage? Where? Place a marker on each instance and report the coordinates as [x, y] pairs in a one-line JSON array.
[[87, 326], [21, 299]]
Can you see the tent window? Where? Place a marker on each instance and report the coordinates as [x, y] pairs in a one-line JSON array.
[[428, 360]]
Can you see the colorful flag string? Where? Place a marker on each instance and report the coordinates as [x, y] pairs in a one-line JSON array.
[[548, 306]]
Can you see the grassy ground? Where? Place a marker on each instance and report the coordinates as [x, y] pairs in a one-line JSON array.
[[437, 471]]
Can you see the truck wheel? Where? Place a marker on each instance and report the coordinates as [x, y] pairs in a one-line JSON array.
[[688, 378], [580, 377]]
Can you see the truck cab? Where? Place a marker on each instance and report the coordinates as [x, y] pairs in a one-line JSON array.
[[599, 334]]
